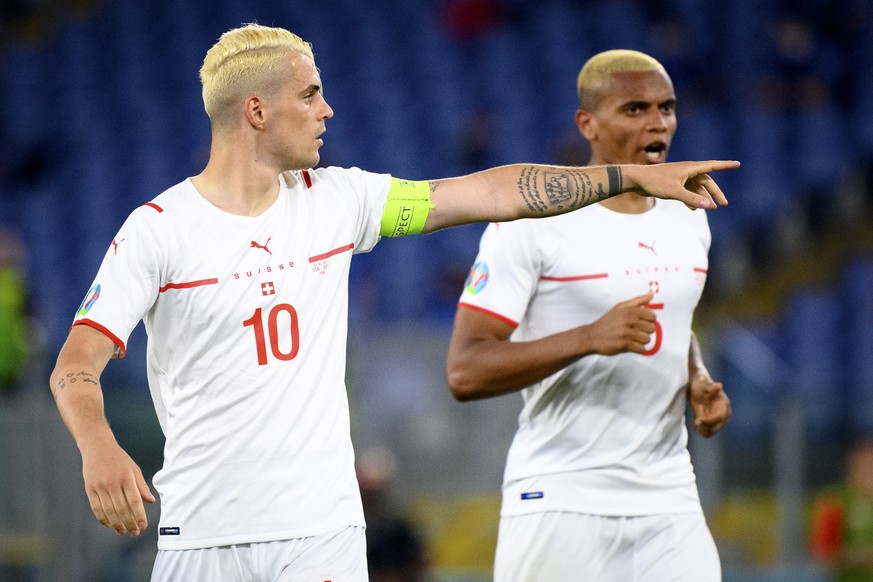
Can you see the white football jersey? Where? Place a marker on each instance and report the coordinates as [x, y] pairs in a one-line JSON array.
[[247, 322], [605, 435]]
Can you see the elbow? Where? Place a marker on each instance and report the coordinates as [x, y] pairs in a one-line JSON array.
[[463, 386]]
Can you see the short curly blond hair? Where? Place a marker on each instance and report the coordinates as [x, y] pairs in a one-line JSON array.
[[597, 71], [245, 60]]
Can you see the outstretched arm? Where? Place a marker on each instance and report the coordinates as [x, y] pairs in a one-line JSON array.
[[483, 363], [711, 406], [534, 191], [114, 484]]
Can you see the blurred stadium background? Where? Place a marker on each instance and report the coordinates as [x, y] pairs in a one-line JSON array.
[[100, 110]]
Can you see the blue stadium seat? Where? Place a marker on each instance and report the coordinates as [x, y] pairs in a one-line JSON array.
[[813, 337], [857, 296], [821, 152], [766, 179]]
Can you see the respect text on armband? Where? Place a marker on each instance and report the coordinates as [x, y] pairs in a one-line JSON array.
[[404, 220]]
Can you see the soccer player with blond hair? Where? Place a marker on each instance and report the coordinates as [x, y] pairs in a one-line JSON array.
[[598, 482], [240, 275]]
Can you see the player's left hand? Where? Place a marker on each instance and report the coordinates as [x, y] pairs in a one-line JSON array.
[[711, 406], [688, 182]]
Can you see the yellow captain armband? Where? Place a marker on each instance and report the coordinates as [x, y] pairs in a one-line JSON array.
[[406, 208]]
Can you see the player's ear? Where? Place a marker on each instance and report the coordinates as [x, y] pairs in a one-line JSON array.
[[586, 123], [255, 111]]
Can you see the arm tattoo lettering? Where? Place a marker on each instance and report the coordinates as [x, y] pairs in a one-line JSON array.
[[563, 188], [434, 184], [527, 187], [73, 378]]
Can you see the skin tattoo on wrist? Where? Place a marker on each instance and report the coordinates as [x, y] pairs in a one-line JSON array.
[[615, 179]]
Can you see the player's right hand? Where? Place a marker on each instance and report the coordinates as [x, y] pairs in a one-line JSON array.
[[627, 327], [115, 487]]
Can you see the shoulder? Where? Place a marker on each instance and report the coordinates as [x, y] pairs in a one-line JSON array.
[[173, 209], [173, 201], [335, 177]]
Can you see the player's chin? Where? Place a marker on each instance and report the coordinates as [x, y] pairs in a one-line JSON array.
[[313, 159]]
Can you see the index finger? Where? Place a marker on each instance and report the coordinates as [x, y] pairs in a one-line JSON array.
[[707, 166], [711, 190], [711, 196], [640, 300]]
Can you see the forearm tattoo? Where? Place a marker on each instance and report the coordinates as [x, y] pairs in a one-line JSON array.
[[563, 188], [72, 378]]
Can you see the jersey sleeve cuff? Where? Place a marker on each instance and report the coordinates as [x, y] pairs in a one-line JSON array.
[[489, 313], [120, 348]]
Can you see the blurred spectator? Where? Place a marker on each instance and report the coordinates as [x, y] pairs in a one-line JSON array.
[[690, 64], [842, 527], [798, 56], [475, 145], [395, 551], [33, 20], [13, 310], [471, 19]]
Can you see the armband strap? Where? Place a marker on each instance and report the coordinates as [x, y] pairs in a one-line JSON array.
[[406, 208]]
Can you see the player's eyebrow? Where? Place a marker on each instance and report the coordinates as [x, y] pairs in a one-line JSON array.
[[639, 104]]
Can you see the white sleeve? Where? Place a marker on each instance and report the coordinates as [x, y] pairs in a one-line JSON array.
[[505, 274], [369, 193], [126, 285]]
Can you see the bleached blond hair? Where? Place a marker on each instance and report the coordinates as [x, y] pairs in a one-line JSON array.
[[245, 60], [596, 73]]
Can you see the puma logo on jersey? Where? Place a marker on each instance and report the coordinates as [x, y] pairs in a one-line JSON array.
[[255, 245], [115, 245], [650, 247]]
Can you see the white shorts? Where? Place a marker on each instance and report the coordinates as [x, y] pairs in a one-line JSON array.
[[339, 556], [576, 547]]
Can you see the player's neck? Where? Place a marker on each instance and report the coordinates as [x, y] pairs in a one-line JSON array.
[[235, 185], [629, 203]]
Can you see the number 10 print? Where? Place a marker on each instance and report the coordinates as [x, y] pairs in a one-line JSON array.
[[257, 322]]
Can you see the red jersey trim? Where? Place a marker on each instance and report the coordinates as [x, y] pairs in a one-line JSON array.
[[188, 284], [104, 331], [307, 178], [153, 205], [699, 270], [575, 278], [328, 254], [488, 312]]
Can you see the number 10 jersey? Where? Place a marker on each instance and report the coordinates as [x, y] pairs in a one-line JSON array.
[[247, 323]]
